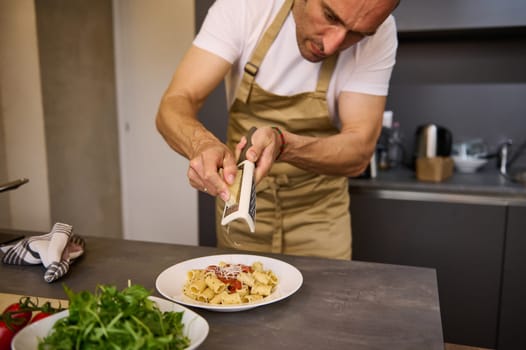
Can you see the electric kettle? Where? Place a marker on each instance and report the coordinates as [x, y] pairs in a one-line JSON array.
[[432, 140]]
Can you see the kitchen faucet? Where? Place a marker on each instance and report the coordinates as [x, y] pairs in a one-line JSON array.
[[506, 159], [503, 154]]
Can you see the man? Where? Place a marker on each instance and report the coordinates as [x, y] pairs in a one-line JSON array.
[[312, 76]]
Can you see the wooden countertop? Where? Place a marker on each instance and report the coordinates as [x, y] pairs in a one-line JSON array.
[[7, 299], [341, 304]]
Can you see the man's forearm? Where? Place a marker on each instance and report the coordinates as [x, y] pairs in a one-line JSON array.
[[178, 124], [345, 154]]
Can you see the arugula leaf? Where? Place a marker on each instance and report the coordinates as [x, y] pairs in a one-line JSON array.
[[113, 319]]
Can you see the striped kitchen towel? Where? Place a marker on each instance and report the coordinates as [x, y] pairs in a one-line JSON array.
[[55, 250]]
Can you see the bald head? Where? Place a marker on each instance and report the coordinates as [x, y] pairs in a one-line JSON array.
[[324, 27]]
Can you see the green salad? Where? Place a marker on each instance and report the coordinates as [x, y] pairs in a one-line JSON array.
[[113, 319]]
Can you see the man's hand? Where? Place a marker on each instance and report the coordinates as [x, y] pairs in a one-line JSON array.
[[266, 145], [212, 169]]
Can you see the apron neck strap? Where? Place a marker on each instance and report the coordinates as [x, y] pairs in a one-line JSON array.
[[325, 74], [252, 66]]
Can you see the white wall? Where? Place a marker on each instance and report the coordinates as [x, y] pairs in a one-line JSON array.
[[150, 39], [23, 117]]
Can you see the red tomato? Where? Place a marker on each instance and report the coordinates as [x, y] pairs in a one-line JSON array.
[[246, 268], [234, 285], [13, 319], [16, 318], [6, 335], [40, 316]]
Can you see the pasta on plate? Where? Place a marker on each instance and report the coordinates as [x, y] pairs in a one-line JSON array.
[[230, 284]]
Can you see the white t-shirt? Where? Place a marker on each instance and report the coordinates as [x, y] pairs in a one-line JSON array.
[[232, 29]]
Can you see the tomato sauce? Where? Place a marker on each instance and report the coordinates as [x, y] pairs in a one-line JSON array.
[[228, 274]]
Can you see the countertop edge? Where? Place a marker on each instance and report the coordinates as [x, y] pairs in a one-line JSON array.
[[487, 187]]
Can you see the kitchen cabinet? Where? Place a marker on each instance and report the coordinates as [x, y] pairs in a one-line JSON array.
[[432, 15], [459, 236], [513, 304]]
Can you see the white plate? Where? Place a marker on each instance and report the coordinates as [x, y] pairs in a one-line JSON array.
[[171, 281], [195, 327]]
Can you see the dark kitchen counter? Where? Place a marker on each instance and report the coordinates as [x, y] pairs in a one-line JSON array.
[[486, 184], [341, 304]]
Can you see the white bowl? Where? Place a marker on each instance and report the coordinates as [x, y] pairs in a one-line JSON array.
[[195, 326], [468, 164]]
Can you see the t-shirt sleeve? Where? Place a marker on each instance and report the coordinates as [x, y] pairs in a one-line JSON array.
[[222, 29], [374, 62]]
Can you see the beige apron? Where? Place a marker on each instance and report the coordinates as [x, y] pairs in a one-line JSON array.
[[297, 212]]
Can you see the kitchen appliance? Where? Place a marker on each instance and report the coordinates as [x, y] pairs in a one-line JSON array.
[[432, 140], [242, 201]]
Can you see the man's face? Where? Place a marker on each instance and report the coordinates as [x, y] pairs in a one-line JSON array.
[[324, 27]]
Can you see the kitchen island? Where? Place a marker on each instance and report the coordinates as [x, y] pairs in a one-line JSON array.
[[341, 304]]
